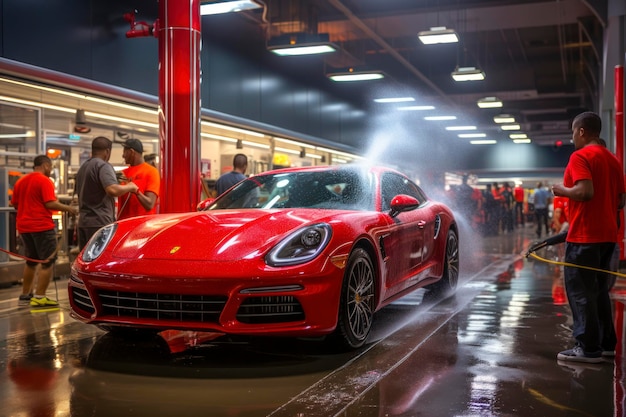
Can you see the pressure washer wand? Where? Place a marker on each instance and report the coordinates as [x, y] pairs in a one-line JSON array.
[[552, 240]]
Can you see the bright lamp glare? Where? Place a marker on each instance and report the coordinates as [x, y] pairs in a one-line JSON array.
[[394, 100], [461, 128], [303, 50], [440, 118], [438, 35], [356, 76], [227, 7], [416, 108]]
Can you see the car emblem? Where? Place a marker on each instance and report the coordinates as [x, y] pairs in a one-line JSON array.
[[174, 249]]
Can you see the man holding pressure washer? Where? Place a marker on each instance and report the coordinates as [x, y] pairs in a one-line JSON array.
[[594, 186]]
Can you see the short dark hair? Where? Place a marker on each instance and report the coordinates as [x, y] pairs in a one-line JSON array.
[[101, 144], [40, 160], [590, 121], [240, 161]]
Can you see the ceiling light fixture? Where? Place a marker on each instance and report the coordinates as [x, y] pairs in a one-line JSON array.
[[352, 75], [489, 103], [416, 108], [472, 135], [512, 126], [293, 44], [468, 74], [483, 142], [394, 100], [521, 141], [461, 128], [504, 118], [438, 34], [227, 7], [518, 136], [440, 118]]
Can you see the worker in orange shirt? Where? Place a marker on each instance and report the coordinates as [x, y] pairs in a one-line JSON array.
[[147, 179]]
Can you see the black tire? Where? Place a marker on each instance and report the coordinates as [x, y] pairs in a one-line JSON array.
[[356, 305], [450, 278]]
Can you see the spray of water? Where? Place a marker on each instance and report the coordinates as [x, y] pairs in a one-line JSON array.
[[423, 150]]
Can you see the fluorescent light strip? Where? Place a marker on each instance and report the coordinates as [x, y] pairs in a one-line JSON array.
[[144, 110], [303, 50], [483, 142], [440, 118], [394, 100], [17, 135], [461, 128], [510, 127], [521, 140], [255, 144], [468, 74], [518, 136], [286, 150], [489, 103], [233, 129], [81, 96], [218, 137], [293, 142], [504, 118], [68, 110], [416, 108], [355, 76], [438, 35], [472, 135], [227, 7]]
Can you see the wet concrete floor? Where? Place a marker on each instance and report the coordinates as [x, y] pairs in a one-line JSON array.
[[490, 350]]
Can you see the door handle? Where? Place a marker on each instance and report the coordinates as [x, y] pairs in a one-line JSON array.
[[421, 224]]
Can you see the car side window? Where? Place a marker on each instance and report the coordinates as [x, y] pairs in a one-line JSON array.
[[393, 184]]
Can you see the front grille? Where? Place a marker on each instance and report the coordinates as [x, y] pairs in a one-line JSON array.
[[272, 309], [179, 307], [82, 300]]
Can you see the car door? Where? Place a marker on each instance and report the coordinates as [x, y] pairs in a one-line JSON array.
[[404, 242]]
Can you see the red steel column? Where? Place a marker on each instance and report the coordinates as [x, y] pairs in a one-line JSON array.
[[179, 104], [619, 140]]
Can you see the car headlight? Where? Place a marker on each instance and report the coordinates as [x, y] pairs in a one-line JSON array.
[[98, 242], [300, 246]]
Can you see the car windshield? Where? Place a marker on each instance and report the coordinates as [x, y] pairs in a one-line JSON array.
[[334, 189]]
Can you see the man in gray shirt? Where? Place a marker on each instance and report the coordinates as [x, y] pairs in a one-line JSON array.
[[97, 187], [542, 199]]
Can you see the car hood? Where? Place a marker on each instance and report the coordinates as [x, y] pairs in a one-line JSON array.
[[219, 235]]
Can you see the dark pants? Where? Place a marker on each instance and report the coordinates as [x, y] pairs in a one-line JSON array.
[[588, 296], [541, 216], [519, 212]]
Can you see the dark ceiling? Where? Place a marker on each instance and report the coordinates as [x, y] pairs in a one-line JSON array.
[[541, 58]]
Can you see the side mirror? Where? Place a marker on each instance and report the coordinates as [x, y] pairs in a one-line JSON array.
[[403, 202], [204, 204]]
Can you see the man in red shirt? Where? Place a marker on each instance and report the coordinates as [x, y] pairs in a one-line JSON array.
[[147, 179], [518, 194], [35, 200], [559, 217], [592, 183]]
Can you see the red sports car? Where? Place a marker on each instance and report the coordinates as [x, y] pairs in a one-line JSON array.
[[295, 252]]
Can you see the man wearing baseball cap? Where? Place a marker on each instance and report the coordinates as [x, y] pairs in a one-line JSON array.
[[148, 181]]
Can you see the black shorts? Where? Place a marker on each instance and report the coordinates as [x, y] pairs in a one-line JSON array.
[[40, 246]]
